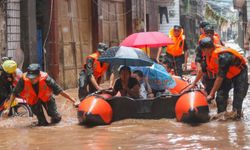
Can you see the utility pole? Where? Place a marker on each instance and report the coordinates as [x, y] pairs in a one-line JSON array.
[[145, 16]]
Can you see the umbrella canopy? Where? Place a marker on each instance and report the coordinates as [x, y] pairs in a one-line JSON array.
[[147, 39], [157, 76], [110, 52], [127, 56]]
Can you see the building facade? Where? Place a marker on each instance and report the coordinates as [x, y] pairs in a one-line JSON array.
[[60, 34], [243, 7], [191, 14]]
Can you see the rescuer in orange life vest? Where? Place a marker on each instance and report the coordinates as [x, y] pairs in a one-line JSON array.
[[9, 76], [208, 77], [176, 54], [90, 76], [231, 70], [202, 32], [37, 88]]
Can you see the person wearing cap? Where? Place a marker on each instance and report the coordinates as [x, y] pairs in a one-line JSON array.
[[202, 32], [198, 56], [37, 88], [126, 85], [91, 75], [208, 77], [209, 32], [176, 54], [6, 69], [231, 72], [196, 65], [12, 71], [9, 76]]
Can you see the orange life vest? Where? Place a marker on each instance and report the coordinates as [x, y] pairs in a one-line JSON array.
[[30, 95], [202, 36], [213, 62], [98, 69], [176, 49], [216, 38]]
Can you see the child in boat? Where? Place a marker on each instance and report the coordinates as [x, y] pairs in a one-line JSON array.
[[145, 89]]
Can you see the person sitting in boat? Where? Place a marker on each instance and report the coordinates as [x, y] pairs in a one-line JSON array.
[[145, 89], [126, 85]]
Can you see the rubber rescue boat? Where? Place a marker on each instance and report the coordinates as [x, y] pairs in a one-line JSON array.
[[103, 109]]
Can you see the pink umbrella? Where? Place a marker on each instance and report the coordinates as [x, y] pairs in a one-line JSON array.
[[147, 39]]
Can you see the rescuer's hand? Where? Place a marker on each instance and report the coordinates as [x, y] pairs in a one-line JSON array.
[[210, 98], [76, 103], [99, 88], [188, 88]]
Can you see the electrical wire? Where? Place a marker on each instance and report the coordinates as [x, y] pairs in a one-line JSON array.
[[47, 35]]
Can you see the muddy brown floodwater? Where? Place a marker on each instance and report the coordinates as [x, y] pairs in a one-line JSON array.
[[19, 133]]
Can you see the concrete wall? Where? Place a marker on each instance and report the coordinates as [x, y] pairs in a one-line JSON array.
[[2, 32], [173, 7]]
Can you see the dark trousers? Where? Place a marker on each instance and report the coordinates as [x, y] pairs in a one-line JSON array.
[[208, 83], [51, 109], [174, 63], [240, 85], [163, 11], [85, 85]]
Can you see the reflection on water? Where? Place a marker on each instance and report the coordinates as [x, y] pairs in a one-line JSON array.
[[21, 133]]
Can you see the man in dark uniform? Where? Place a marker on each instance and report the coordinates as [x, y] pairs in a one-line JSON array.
[[91, 75], [231, 70], [208, 78], [37, 88]]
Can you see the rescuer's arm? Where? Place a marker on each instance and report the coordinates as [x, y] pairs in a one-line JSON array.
[[158, 54], [67, 96], [90, 71], [215, 88], [112, 80], [185, 55], [197, 79], [58, 90], [18, 89], [93, 81]]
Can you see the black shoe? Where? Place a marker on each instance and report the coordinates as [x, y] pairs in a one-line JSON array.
[[40, 123], [238, 114], [56, 119]]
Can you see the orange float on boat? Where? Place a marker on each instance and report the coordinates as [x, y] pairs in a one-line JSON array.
[[180, 85], [95, 110], [192, 107]]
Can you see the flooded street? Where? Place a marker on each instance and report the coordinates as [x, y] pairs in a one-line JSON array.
[[20, 133]]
